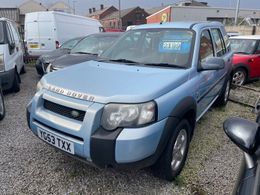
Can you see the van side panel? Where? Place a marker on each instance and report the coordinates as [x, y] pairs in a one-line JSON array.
[[71, 27], [43, 29]]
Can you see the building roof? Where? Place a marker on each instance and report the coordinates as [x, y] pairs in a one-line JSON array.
[[99, 12], [251, 37], [115, 14], [60, 6], [155, 9], [191, 3], [31, 6]]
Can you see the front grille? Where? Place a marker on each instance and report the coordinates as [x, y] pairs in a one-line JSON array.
[[64, 111]]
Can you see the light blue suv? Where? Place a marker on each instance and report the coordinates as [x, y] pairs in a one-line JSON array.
[[137, 105]]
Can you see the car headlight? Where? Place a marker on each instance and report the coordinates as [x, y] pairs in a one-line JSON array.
[[128, 115], [39, 86], [2, 65]]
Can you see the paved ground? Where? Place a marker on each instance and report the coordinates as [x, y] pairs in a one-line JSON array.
[[29, 166]]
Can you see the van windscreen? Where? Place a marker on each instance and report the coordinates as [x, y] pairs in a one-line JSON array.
[[1, 32]]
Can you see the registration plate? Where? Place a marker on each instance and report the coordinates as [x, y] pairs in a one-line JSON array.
[[56, 141], [34, 46]]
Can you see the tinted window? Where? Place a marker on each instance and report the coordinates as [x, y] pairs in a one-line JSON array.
[[1, 32], [219, 42], [258, 48], [153, 46], [94, 44], [245, 46], [206, 46]]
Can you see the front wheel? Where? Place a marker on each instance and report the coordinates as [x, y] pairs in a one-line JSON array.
[[223, 97], [173, 158], [2, 105], [239, 76], [16, 83]]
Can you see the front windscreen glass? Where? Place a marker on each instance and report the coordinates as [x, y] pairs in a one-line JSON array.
[[171, 47], [245, 46], [1, 32], [94, 44]]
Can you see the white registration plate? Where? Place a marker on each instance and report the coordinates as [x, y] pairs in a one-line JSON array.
[[56, 141]]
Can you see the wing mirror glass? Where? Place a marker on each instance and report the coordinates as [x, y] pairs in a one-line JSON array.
[[243, 133], [214, 63]]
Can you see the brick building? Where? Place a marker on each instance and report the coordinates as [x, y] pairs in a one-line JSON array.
[[131, 16], [102, 13]]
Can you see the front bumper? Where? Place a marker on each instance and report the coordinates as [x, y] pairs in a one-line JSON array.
[[122, 148]]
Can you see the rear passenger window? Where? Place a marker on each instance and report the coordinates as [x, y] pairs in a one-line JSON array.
[[218, 42], [206, 46]]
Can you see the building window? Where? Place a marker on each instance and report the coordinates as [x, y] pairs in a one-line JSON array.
[[138, 16], [110, 24]]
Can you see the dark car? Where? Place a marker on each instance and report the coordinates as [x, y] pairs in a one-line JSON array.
[[2, 104], [87, 49], [44, 60]]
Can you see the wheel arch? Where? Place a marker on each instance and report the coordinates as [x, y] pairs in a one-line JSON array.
[[241, 66]]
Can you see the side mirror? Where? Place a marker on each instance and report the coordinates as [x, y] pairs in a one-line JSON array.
[[243, 133], [12, 46], [214, 63]]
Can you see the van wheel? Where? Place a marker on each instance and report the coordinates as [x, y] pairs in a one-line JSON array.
[[16, 83], [23, 71], [173, 158], [223, 98], [2, 105]]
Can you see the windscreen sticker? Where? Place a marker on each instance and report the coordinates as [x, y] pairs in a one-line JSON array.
[[174, 45]]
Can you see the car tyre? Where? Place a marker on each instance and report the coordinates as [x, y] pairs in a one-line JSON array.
[[223, 98], [174, 156], [16, 83], [2, 105], [23, 71], [239, 76]]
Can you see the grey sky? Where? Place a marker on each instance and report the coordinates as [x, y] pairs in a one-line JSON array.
[[82, 6]]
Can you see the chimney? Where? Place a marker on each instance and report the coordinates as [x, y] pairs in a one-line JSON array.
[[90, 11], [101, 6], [93, 9]]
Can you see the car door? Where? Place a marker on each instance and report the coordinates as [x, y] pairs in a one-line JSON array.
[[18, 47], [11, 54], [208, 88], [255, 63]]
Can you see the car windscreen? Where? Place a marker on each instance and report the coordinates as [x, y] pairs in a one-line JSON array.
[[1, 32], [70, 43], [246, 46], [162, 47], [94, 44]]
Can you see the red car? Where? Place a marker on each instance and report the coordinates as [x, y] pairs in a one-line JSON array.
[[246, 59]]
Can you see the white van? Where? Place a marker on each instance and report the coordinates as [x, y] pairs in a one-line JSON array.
[[11, 55], [46, 31]]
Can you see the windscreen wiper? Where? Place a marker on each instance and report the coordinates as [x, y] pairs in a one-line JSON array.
[[124, 61], [165, 65], [80, 52]]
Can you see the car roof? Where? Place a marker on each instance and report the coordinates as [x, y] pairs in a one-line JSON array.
[[254, 37], [180, 25], [106, 34]]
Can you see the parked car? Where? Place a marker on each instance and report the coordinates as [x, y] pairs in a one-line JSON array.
[[138, 104], [44, 60], [2, 105], [87, 49], [245, 134], [246, 60], [46, 31], [11, 55]]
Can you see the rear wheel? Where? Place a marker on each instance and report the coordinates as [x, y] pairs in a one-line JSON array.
[[16, 83], [23, 71], [2, 105], [173, 158], [239, 76]]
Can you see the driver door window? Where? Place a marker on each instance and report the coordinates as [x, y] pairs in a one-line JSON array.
[[10, 39], [206, 46]]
